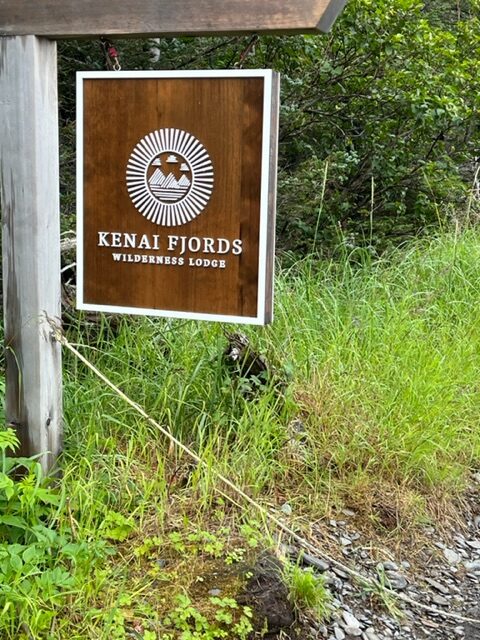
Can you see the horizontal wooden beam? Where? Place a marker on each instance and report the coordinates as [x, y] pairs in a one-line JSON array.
[[91, 18]]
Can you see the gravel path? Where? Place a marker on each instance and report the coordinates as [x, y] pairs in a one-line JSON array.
[[445, 576]]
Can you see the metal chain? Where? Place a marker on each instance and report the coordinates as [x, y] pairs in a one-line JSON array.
[[112, 60], [111, 55]]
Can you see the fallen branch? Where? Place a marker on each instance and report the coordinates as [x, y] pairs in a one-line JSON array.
[[68, 244]]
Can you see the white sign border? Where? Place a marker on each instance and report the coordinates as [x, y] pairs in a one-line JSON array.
[[260, 318]]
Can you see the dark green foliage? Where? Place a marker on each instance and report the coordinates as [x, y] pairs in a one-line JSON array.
[[385, 112], [40, 565], [379, 126]]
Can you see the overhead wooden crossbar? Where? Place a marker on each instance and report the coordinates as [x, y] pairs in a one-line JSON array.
[[88, 18]]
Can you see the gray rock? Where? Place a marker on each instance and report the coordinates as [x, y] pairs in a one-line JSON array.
[[340, 573], [336, 584], [451, 556], [286, 509], [473, 577], [472, 566], [390, 623], [353, 631], [397, 581], [460, 540], [440, 600], [345, 542], [438, 586], [339, 633], [389, 566], [318, 564], [350, 621], [363, 618], [215, 592], [473, 544], [370, 634]]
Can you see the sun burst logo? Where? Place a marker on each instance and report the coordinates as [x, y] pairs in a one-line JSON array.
[[170, 177]]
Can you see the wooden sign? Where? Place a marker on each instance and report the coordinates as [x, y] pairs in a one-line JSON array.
[[70, 18], [176, 193], [29, 159]]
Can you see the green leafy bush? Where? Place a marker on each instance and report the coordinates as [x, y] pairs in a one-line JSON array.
[[386, 108], [379, 119], [39, 565], [228, 620]]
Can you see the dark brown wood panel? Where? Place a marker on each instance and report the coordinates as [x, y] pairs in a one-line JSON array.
[[90, 18], [226, 116]]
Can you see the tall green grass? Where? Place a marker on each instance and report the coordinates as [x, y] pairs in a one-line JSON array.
[[393, 347], [373, 403], [381, 360]]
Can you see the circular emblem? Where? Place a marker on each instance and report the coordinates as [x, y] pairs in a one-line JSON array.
[[169, 177]]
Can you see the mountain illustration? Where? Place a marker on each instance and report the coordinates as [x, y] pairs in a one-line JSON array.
[[167, 187]]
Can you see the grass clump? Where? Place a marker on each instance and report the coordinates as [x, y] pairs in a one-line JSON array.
[[307, 591]]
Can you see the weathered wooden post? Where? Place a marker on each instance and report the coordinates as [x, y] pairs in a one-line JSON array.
[[29, 185], [31, 240]]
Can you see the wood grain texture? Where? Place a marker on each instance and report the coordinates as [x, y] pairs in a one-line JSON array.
[[226, 116], [29, 184], [90, 18]]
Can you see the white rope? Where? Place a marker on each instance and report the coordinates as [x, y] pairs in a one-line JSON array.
[[58, 335]]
